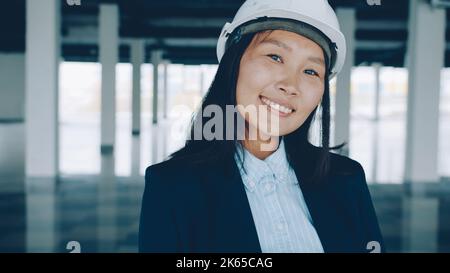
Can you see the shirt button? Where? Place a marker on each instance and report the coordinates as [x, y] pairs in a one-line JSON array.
[[251, 184], [269, 187], [280, 226]]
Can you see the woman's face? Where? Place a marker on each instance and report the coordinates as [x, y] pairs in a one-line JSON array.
[[282, 74]]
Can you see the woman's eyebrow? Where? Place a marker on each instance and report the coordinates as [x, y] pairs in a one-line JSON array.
[[317, 60], [277, 43], [313, 59]]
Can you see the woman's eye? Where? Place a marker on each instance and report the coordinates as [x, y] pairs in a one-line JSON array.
[[311, 72], [275, 57]]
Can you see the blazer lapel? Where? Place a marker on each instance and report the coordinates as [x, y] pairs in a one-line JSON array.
[[230, 201], [325, 213], [237, 228]]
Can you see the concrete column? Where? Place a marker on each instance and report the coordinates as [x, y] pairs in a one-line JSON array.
[[202, 79], [420, 223], [347, 20], [137, 58], [156, 60], [377, 68], [165, 140], [107, 206], [155, 148], [42, 234], [12, 87], [376, 119], [136, 156], [165, 88], [109, 28], [41, 85], [12, 127], [425, 61]]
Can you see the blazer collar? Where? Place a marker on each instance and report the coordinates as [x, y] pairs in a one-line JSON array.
[[325, 209], [231, 201], [319, 199], [254, 169]]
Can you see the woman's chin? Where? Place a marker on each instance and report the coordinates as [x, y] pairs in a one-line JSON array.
[[278, 132]]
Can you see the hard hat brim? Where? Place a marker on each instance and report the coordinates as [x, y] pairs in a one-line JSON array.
[[334, 35]]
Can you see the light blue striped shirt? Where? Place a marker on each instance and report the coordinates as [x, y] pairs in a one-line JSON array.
[[281, 217]]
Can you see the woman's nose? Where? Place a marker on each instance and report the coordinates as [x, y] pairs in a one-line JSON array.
[[289, 84]]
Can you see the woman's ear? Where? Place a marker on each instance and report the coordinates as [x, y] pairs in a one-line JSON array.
[[320, 103]]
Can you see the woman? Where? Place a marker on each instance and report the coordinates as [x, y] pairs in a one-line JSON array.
[[266, 188]]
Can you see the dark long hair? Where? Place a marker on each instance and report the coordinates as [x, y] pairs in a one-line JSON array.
[[313, 162]]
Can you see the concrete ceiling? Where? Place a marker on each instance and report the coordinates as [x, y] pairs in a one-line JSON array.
[[187, 30]]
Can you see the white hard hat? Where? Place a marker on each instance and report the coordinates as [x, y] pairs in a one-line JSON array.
[[315, 20]]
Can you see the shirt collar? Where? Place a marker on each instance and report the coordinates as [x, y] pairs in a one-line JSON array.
[[275, 167]]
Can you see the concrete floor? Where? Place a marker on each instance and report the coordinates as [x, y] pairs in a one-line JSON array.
[[96, 201], [102, 214]]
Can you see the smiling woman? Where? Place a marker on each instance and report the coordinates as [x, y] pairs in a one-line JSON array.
[[275, 192], [280, 70]]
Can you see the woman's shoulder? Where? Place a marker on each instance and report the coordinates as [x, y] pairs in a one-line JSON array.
[[340, 164], [347, 173], [167, 168], [175, 170], [179, 180], [342, 169]]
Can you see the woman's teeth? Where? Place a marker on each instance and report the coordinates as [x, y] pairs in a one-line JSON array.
[[276, 106]]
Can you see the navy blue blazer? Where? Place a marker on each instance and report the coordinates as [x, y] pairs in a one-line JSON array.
[[203, 208]]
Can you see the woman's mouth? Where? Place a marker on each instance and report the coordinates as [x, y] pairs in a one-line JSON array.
[[281, 110]]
